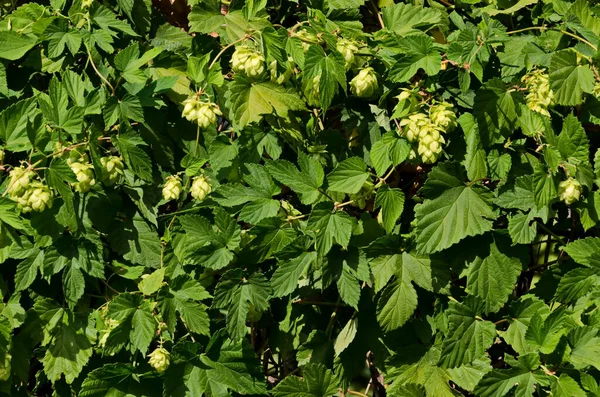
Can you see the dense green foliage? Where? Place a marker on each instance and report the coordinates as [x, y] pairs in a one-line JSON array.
[[300, 198]]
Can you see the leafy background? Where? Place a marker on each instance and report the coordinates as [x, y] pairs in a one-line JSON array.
[[476, 279]]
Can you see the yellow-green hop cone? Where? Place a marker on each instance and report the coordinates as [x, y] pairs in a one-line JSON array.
[[365, 193], [84, 172], [202, 113], [112, 169], [596, 91], [364, 84], [160, 359], [172, 188], [19, 181], [2, 156], [247, 61], [412, 126], [569, 191], [75, 156], [430, 146], [540, 96], [347, 48], [443, 116], [37, 198], [200, 188]]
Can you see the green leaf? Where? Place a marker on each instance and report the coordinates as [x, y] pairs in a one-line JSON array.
[[67, 355], [569, 80], [329, 227], [493, 278], [585, 347], [459, 212], [285, 278], [496, 109], [125, 109], [585, 251], [73, 285], [316, 381], [152, 282], [135, 158], [15, 45], [565, 386], [420, 54], [406, 18], [27, 270], [252, 101], [305, 182], [521, 313], [573, 141], [475, 158], [226, 365], [346, 336], [544, 335], [470, 336], [523, 377], [56, 109], [521, 228], [13, 125], [391, 202], [143, 327], [331, 69], [397, 303], [349, 176]]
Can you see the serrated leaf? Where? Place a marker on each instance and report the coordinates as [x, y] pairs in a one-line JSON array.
[[252, 101], [569, 80], [316, 381], [306, 182], [285, 278], [391, 202], [15, 45], [67, 355], [330, 67], [470, 336], [349, 176], [419, 54], [329, 227], [152, 282], [493, 278], [406, 18], [458, 213]]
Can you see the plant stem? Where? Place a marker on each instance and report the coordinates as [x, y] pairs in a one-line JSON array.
[[112, 89], [550, 232]]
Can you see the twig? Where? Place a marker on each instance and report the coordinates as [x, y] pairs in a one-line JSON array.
[[112, 89], [550, 232], [356, 393], [315, 303], [376, 12]]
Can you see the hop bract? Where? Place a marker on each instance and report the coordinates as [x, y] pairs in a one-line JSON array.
[[1, 156], [172, 188], [364, 84], [540, 96], [85, 176], [160, 359], [202, 113], [347, 48], [112, 169], [200, 188], [19, 181], [37, 198], [443, 116], [569, 191]]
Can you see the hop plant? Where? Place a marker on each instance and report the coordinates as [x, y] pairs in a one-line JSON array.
[[364, 84], [248, 61], [307, 38], [596, 90], [347, 48], [2, 156], [112, 169], [160, 359], [110, 325], [202, 113], [569, 191], [443, 116], [200, 188], [540, 95], [172, 188], [75, 156], [85, 176], [37, 198], [19, 181]]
